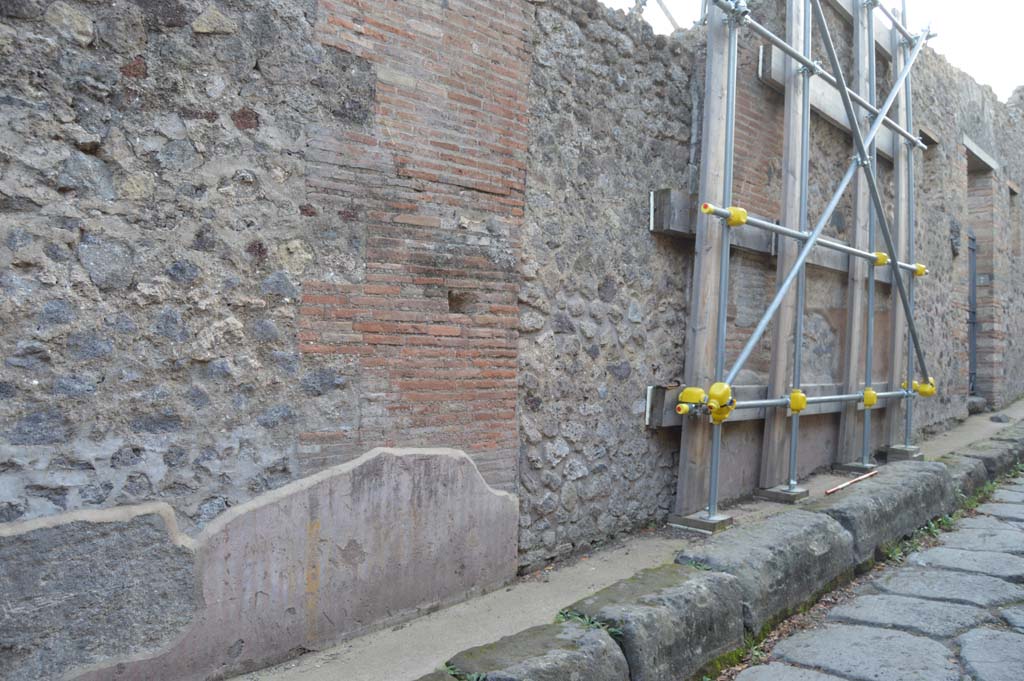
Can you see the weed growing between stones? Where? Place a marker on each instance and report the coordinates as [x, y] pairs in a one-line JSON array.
[[587, 622], [457, 673]]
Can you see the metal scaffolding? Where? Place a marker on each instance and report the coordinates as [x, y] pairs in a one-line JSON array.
[[717, 403]]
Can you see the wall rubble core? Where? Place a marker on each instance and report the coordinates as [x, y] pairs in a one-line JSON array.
[[243, 243]]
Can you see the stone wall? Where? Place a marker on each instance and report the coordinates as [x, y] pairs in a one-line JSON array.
[[244, 241], [602, 304]]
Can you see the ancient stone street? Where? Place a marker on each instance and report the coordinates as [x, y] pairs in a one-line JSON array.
[[952, 612]]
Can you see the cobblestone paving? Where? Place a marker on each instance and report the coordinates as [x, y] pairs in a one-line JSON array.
[[954, 612]]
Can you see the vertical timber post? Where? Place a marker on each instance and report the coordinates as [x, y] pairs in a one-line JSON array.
[[854, 338], [701, 341], [898, 321], [775, 449]]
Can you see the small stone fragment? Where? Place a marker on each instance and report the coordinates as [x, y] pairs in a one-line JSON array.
[[213, 22], [71, 23]]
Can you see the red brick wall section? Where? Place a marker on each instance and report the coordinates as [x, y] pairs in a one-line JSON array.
[[439, 186]]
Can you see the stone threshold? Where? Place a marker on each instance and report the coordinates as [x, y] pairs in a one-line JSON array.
[[691, 617]]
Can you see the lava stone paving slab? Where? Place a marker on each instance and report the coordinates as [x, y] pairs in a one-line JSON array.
[[783, 672], [1013, 512], [1008, 496], [987, 522], [1003, 541], [1014, 617], [954, 587], [869, 654], [929, 618], [1002, 565], [992, 655]]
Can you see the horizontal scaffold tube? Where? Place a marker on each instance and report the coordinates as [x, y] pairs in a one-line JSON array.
[[877, 258], [816, 68], [822, 399]]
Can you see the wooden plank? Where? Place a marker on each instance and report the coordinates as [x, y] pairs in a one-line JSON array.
[[987, 161], [775, 444], [883, 34], [850, 430], [825, 99], [695, 440], [898, 321]]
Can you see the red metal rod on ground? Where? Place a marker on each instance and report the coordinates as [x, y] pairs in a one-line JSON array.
[[846, 484]]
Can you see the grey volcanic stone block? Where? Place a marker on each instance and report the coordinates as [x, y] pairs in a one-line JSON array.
[[987, 522], [90, 586], [553, 652], [869, 654], [968, 474], [781, 562], [1008, 496], [929, 618], [333, 555], [991, 655], [999, 456], [673, 619], [902, 498], [1003, 541], [954, 587], [1014, 617], [1002, 565], [783, 672], [1013, 512]]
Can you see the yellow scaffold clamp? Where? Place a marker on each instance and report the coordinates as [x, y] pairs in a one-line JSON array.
[[797, 401], [870, 398], [720, 402], [689, 399], [736, 216], [881, 259], [925, 389], [920, 270]]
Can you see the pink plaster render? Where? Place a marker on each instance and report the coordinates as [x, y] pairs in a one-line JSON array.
[[332, 556]]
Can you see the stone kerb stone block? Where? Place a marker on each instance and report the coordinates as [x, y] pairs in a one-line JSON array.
[[553, 652], [781, 563], [672, 620], [902, 498]]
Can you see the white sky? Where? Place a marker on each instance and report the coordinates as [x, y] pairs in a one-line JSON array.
[[981, 37]]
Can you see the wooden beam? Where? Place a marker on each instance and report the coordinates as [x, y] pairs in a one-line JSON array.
[[898, 320], [775, 445], [883, 34], [695, 441], [850, 430], [981, 157], [825, 99]]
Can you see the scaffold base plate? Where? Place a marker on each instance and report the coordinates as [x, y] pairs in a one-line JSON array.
[[701, 522], [783, 494]]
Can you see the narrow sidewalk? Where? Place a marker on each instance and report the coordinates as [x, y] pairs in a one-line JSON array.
[[407, 652]]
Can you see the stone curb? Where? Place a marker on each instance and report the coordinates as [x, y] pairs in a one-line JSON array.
[[781, 562], [903, 497], [552, 652], [677, 620], [670, 620]]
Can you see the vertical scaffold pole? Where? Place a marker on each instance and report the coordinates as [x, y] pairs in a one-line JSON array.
[[869, 350], [801, 284], [911, 228], [723, 270]]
